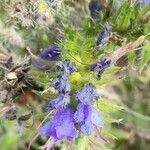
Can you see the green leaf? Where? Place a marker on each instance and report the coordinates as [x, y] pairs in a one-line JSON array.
[[112, 120], [112, 70], [126, 20], [107, 105], [146, 55], [106, 80], [119, 134], [131, 57], [80, 143], [136, 11], [145, 12]]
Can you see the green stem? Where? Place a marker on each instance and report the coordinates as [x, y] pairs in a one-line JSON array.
[[136, 114]]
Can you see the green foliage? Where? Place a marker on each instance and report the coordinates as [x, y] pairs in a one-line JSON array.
[[107, 105], [146, 55], [76, 34], [80, 143]]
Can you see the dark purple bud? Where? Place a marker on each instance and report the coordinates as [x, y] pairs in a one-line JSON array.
[[104, 36], [95, 8], [61, 127], [60, 102], [100, 65], [88, 118], [87, 94], [49, 54]]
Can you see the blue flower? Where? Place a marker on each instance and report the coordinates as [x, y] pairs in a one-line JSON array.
[[59, 102], [104, 36], [88, 118], [62, 85], [87, 95], [61, 127], [67, 67], [100, 65], [49, 54], [95, 8]]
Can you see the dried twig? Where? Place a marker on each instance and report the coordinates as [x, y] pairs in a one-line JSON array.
[[117, 54]]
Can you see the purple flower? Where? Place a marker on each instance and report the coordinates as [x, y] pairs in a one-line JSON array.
[[39, 17], [104, 36], [100, 65], [49, 54], [67, 67], [144, 3], [61, 126], [62, 85], [59, 102], [87, 95], [95, 8], [88, 118]]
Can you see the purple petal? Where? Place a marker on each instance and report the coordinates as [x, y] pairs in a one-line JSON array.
[[144, 3], [67, 129], [62, 85], [87, 128], [88, 118], [49, 54], [60, 102], [61, 126], [96, 118], [67, 67], [87, 95], [79, 115]]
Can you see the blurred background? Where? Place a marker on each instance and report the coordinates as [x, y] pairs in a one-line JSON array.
[[73, 25]]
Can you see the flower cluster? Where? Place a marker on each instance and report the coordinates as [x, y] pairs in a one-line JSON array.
[[86, 115], [67, 118], [69, 121], [62, 85], [62, 126]]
